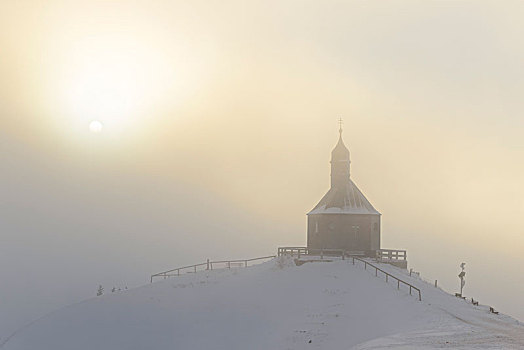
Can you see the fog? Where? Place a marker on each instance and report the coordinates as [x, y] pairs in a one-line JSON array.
[[219, 118]]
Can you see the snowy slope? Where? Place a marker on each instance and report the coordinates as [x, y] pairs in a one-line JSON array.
[[275, 305]]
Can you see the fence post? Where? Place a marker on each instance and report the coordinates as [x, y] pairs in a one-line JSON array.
[[322, 254], [376, 272], [178, 272], [195, 268], [410, 289], [207, 268], [298, 252], [229, 264], [245, 263], [419, 296], [386, 278], [151, 279], [435, 283], [353, 261], [398, 284]]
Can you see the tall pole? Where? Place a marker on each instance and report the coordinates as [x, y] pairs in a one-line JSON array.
[[462, 275]]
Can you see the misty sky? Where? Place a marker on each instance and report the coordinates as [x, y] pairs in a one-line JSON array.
[[219, 118]]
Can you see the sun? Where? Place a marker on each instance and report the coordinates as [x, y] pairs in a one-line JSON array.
[[119, 84], [96, 126]]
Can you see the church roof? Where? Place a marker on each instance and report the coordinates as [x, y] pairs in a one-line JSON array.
[[346, 199]]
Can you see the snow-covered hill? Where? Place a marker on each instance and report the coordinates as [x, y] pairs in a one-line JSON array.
[[275, 305]]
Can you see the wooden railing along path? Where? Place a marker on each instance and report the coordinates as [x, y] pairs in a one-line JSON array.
[[208, 265], [388, 275], [381, 254], [343, 254], [299, 251]]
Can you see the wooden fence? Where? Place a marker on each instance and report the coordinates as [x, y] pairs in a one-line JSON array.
[[388, 276], [208, 265], [299, 251], [343, 254]]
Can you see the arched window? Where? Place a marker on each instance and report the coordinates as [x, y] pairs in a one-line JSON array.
[[355, 228]]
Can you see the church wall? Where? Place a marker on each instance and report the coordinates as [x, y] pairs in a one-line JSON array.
[[351, 232], [375, 232]]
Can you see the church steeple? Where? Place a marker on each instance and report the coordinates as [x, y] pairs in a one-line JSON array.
[[340, 163], [343, 219]]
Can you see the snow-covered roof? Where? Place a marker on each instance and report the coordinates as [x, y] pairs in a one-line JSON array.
[[347, 199]]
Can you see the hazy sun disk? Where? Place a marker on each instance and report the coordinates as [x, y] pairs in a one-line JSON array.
[[119, 80], [96, 126]]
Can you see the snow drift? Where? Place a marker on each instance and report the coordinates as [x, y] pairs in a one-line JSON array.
[[275, 305]]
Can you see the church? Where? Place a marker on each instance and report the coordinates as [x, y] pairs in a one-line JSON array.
[[344, 218]]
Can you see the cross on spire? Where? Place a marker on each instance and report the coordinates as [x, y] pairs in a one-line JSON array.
[[340, 122]]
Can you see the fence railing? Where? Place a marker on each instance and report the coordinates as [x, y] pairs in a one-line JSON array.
[[208, 265], [391, 254], [298, 251], [388, 275]]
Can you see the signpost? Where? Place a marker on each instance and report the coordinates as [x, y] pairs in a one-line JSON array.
[[462, 276]]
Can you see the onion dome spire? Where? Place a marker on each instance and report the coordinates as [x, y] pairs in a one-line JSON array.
[[340, 162], [343, 197]]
